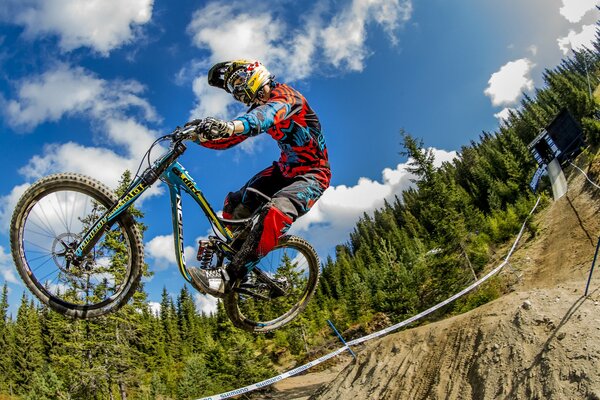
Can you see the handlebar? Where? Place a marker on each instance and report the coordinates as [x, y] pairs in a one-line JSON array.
[[152, 173], [180, 134]]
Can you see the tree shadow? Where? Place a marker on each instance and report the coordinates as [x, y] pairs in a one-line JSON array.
[[592, 242]]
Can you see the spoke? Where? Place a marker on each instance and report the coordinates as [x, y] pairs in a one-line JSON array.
[[38, 233], [37, 245], [47, 275], [39, 252], [73, 207], [41, 265], [40, 257], [47, 220], [45, 227], [60, 214], [85, 207]]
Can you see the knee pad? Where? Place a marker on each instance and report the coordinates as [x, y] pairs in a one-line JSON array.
[[275, 224]]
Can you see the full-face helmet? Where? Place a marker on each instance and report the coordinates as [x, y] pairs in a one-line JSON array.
[[244, 79]]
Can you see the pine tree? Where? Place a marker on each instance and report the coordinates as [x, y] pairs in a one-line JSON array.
[[58, 346], [6, 344], [27, 338], [195, 380], [45, 385]]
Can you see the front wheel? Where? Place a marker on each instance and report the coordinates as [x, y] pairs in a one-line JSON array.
[[47, 225], [255, 306]]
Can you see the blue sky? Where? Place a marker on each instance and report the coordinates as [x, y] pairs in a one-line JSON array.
[[85, 86]]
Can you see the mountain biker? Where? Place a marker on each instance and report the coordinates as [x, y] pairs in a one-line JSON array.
[[294, 183]]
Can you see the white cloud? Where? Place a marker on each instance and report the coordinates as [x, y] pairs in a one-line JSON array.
[[503, 114], [205, 304], [162, 250], [99, 163], [51, 95], [211, 102], [102, 25], [65, 90], [8, 204], [533, 49], [130, 134], [233, 31], [574, 10], [154, 307], [344, 39], [7, 268], [577, 41], [506, 85], [334, 216], [231, 34]]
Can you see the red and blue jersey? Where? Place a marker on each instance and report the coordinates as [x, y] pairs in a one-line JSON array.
[[288, 119]]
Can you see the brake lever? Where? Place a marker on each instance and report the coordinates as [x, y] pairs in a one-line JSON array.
[[185, 133]]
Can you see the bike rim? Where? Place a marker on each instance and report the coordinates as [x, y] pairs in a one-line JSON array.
[[287, 262], [53, 225]]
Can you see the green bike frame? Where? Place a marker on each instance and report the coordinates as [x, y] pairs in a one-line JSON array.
[[170, 171]]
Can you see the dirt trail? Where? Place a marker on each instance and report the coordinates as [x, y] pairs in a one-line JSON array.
[[542, 341]]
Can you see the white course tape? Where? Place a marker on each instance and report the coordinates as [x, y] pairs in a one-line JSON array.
[[382, 332], [277, 378], [586, 177], [451, 299]]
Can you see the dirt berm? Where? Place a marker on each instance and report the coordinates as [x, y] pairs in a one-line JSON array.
[[541, 341]]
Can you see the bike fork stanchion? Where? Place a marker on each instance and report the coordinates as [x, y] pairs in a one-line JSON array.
[[592, 269], [341, 338]]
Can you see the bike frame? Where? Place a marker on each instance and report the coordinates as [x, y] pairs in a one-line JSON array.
[[170, 171]]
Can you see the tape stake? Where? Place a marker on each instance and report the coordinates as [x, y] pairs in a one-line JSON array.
[[587, 286], [341, 338]]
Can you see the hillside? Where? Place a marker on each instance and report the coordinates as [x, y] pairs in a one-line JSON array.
[[542, 340]]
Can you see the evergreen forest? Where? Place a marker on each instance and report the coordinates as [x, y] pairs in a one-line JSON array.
[[400, 260]]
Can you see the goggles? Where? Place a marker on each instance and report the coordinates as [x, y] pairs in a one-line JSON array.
[[237, 86]]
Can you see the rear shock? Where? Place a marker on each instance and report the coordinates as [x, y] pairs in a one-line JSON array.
[[206, 250]]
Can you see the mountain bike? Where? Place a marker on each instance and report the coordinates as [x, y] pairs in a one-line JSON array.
[[78, 248]]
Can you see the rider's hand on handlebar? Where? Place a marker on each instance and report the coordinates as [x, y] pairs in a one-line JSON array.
[[192, 134], [210, 128], [213, 128]]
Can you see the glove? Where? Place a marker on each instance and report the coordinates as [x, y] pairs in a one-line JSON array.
[[212, 128]]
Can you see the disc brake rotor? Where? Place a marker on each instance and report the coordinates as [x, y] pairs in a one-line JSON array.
[[63, 255]]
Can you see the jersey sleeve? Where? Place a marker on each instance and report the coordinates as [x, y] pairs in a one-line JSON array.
[[282, 105], [226, 143]]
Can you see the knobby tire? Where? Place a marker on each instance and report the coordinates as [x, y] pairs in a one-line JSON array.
[[233, 299], [80, 185]]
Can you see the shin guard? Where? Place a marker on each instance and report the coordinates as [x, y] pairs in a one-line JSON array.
[[275, 224]]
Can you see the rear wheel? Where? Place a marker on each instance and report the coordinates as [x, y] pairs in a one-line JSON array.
[[47, 225], [256, 306]]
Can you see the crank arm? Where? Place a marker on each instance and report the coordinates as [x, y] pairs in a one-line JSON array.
[[266, 279], [251, 293]]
